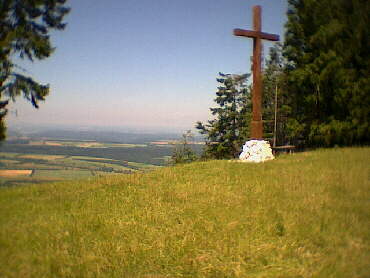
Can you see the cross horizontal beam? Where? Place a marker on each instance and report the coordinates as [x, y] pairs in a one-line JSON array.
[[255, 34]]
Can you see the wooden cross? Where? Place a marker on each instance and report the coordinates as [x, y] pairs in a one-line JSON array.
[[257, 35]]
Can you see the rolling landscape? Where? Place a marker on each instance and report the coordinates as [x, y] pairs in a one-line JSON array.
[[58, 155], [185, 139]]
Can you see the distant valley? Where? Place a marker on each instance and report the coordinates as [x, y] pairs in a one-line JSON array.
[[64, 154]]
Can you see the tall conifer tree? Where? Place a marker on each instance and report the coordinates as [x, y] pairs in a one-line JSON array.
[[327, 47], [226, 133]]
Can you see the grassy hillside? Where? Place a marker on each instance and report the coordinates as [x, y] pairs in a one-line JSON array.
[[302, 215]]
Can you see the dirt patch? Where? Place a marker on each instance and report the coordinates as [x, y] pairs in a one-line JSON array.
[[49, 143], [89, 145], [15, 173]]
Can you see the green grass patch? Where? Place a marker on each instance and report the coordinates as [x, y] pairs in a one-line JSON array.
[[8, 161], [91, 158], [38, 161], [24, 180], [301, 215], [62, 174], [8, 155], [33, 165], [94, 165], [143, 165]]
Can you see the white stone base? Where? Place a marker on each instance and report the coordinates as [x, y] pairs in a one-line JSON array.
[[256, 151]]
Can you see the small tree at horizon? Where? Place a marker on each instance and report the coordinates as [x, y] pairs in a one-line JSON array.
[[182, 152]]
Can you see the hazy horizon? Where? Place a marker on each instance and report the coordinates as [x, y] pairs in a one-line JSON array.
[[34, 128]]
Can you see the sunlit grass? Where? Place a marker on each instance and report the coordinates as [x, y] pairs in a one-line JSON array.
[[302, 215]]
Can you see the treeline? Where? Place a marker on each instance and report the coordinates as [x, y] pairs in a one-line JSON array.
[[316, 89], [327, 71]]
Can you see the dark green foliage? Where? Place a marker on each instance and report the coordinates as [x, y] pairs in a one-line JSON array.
[[183, 153], [275, 89], [227, 132], [327, 47], [25, 27]]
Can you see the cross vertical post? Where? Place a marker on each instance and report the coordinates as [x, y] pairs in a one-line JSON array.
[[257, 35], [257, 124]]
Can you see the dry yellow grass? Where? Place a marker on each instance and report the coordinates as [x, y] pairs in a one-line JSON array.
[[89, 145], [15, 173], [304, 215], [48, 143]]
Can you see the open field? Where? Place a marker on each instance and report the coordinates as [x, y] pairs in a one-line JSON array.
[[63, 174], [301, 215], [41, 157], [60, 157], [35, 168]]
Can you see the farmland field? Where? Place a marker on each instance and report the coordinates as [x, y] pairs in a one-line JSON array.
[[22, 168], [38, 160], [83, 144]]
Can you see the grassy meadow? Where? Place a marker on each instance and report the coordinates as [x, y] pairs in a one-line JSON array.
[[301, 215]]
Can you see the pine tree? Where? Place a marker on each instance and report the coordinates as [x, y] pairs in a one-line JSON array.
[[226, 133], [25, 28], [327, 47]]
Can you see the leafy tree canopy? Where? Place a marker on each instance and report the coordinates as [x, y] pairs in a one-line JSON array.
[[25, 26]]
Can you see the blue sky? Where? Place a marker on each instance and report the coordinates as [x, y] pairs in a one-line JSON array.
[[143, 63]]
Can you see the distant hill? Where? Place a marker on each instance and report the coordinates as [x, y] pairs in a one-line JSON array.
[[101, 135], [301, 215]]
